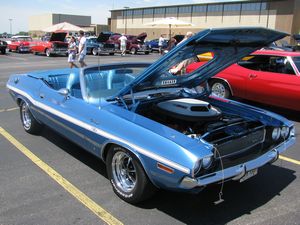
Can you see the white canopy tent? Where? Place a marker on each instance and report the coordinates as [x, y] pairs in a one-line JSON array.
[[170, 22], [65, 26]]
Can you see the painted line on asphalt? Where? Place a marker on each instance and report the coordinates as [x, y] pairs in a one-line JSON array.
[[79, 195], [8, 110], [289, 160]]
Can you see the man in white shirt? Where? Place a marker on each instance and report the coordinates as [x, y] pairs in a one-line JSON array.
[[123, 41], [82, 49], [160, 44]]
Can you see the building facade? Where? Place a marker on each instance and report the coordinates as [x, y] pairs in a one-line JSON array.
[[283, 15]]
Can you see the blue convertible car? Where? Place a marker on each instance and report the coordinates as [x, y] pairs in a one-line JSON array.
[[154, 129]]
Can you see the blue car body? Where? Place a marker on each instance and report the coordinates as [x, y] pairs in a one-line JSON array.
[[129, 105], [153, 44]]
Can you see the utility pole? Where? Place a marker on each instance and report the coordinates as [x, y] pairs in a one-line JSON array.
[[10, 26]]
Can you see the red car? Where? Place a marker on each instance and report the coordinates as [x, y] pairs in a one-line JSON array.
[[19, 44], [269, 77], [51, 45], [135, 44]]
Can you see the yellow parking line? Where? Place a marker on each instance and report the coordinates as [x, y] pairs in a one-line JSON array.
[[80, 196], [7, 110], [289, 160]]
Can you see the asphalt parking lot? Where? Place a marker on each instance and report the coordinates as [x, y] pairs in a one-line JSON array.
[[63, 184]]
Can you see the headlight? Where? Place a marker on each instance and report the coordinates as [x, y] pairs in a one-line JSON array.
[[284, 132], [197, 167], [206, 162], [276, 134]]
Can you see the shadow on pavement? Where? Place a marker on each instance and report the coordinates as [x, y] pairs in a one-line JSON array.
[[240, 198]]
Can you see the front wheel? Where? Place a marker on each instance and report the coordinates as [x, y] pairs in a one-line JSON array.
[[220, 89], [133, 51], [30, 124], [95, 51], [127, 176], [3, 51], [48, 53]]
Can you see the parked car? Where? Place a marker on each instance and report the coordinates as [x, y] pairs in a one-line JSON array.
[[3, 46], [51, 45], [266, 76], [98, 45], [154, 129], [20, 43], [153, 45], [135, 44]]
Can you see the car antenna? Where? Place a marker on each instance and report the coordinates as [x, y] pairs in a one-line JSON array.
[[220, 200]]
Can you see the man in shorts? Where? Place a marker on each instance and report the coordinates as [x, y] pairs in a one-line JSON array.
[[82, 49], [123, 42]]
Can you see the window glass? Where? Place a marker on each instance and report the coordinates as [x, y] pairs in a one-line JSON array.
[[199, 8], [251, 6], [148, 11], [159, 11], [106, 83], [274, 64], [171, 10], [232, 7], [297, 62], [138, 12], [215, 8], [185, 9]]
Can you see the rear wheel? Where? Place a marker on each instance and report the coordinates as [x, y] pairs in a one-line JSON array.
[[111, 53], [127, 176], [30, 124], [220, 89], [147, 53]]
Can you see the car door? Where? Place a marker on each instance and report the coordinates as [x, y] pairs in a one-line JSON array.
[[70, 116], [272, 81]]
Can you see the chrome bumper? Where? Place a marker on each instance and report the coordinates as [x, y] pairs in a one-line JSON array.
[[238, 171], [59, 51]]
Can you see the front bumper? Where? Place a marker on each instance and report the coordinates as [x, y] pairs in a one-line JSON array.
[[58, 51], [238, 171]]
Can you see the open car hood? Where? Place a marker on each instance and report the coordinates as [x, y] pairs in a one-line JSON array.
[[141, 37], [228, 45], [58, 36], [104, 36]]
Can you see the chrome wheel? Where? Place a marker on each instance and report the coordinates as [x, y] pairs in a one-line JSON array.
[[95, 51], [48, 54], [124, 171], [26, 117], [219, 90]]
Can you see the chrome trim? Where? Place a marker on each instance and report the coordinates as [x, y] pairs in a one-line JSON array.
[[238, 171], [101, 132]]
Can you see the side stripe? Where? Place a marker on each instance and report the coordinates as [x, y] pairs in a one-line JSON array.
[[100, 132]]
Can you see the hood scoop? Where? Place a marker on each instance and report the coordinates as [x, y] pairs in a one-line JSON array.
[[189, 109]]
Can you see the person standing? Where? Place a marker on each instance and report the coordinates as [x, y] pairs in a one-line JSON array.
[[82, 49], [160, 44], [123, 42], [72, 50]]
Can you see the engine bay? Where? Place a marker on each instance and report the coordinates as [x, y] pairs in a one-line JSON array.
[[199, 119]]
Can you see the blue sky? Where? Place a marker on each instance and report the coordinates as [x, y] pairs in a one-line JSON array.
[[20, 10]]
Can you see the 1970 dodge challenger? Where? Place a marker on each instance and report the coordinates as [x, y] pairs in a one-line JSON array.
[[154, 129]]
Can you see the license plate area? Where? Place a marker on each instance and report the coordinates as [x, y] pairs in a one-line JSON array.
[[248, 175]]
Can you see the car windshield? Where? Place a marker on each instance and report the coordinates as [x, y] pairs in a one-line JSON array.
[[106, 82], [93, 40], [24, 39], [297, 62]]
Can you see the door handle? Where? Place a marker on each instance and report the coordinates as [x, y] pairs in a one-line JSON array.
[[251, 76]]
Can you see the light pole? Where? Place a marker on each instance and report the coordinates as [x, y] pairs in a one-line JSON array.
[[10, 26], [126, 8]]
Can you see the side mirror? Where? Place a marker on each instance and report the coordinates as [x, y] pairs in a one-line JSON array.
[[64, 91]]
